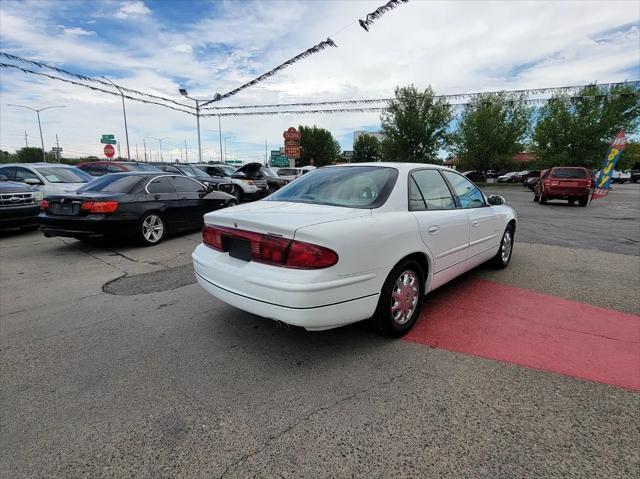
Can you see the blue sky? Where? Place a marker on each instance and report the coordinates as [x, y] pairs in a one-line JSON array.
[[213, 46]]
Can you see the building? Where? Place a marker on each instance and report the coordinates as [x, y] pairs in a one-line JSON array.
[[376, 134]]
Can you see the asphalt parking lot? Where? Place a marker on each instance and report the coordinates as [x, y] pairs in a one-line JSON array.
[[115, 364]]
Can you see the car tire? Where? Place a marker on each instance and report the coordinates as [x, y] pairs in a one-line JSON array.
[[151, 229], [236, 192], [503, 256], [396, 314], [583, 201], [232, 203]]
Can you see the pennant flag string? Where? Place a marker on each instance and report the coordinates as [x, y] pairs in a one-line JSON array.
[[90, 79], [53, 77], [310, 51], [378, 12]]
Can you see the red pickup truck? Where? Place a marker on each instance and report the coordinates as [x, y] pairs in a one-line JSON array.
[[563, 183]]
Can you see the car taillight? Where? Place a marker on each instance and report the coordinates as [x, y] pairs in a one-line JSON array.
[[271, 249], [547, 183], [44, 205], [99, 206], [310, 256]]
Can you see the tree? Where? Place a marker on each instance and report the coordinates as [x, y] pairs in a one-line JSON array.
[[366, 148], [577, 131], [415, 126], [492, 129], [630, 158], [317, 144], [29, 154]]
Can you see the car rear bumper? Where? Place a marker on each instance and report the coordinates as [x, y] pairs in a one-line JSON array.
[[567, 192], [290, 296], [87, 226], [15, 217]]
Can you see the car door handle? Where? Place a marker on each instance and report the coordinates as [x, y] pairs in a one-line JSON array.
[[474, 223], [433, 230]]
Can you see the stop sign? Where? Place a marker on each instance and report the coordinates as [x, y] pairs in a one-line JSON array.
[[109, 151]]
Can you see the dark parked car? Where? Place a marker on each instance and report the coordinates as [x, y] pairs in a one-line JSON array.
[[143, 206], [475, 176], [100, 168], [218, 183], [563, 183], [274, 182], [18, 205], [532, 181]]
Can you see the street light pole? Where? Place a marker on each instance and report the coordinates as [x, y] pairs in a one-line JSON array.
[[225, 147], [220, 137], [124, 112], [38, 110], [160, 143]]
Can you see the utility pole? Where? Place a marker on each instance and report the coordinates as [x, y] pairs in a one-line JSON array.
[[124, 112], [144, 142], [266, 159], [38, 110], [160, 143], [137, 157], [118, 145], [220, 136], [186, 152], [58, 150], [26, 143]]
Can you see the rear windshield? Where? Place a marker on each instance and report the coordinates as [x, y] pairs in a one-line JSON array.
[[350, 187], [194, 172], [569, 173], [64, 175], [114, 183]]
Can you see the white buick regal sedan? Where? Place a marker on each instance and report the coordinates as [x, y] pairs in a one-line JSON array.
[[346, 243]]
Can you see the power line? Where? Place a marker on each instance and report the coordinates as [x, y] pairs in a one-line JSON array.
[[53, 77]]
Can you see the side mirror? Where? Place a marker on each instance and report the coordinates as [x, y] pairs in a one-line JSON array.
[[495, 200], [32, 181]]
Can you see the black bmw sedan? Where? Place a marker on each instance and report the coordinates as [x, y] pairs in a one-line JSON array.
[[141, 206]]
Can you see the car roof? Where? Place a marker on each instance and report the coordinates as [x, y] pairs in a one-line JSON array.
[[400, 166], [31, 165]]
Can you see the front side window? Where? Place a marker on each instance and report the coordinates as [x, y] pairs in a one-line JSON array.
[[350, 187], [160, 185], [24, 174], [428, 191], [183, 184], [468, 194]]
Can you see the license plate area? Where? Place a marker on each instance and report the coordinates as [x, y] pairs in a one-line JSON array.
[[238, 248], [67, 209]]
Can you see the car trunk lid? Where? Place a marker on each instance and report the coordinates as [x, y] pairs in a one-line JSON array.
[[280, 218]]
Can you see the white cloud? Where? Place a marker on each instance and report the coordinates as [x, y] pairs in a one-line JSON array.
[[76, 31], [132, 9]]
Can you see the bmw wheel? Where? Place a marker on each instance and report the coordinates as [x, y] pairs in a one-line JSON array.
[[152, 229]]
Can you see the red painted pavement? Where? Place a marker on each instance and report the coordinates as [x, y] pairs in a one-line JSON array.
[[502, 322]]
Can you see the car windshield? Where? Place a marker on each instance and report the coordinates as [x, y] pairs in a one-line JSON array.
[[142, 167], [64, 175], [351, 187], [287, 172], [569, 173], [269, 172], [228, 170], [114, 183]]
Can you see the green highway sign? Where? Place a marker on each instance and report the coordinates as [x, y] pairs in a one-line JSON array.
[[108, 137], [107, 141], [279, 161]]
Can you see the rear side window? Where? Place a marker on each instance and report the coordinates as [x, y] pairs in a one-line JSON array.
[[160, 185], [468, 194], [428, 191], [112, 184], [578, 173]]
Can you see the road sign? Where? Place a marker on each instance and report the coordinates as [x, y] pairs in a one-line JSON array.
[[108, 142], [292, 151], [292, 134], [108, 137], [279, 161], [109, 151]]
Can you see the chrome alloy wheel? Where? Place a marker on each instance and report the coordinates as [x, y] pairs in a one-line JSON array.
[[505, 248], [152, 228], [404, 297]]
